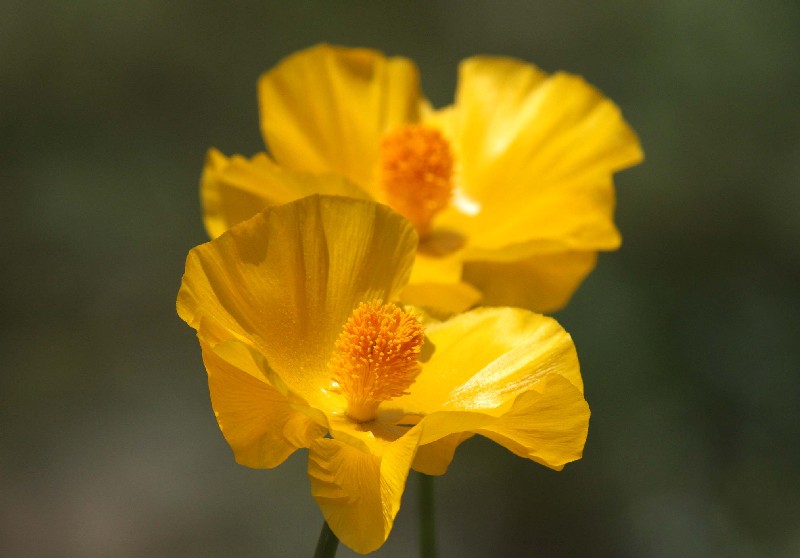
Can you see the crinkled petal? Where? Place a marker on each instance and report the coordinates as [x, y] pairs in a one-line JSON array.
[[486, 357], [543, 283], [548, 425], [286, 280], [358, 491], [434, 458], [258, 421], [234, 189], [536, 154], [324, 109]]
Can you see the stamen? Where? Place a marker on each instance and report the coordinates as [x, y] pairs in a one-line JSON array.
[[376, 357], [416, 173]]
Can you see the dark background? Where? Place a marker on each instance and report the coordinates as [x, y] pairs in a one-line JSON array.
[[688, 336]]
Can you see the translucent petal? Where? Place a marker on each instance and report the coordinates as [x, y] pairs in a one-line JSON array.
[[325, 108], [486, 357], [436, 285], [441, 300], [258, 421], [548, 427], [536, 155], [286, 280], [543, 283], [434, 458], [547, 423], [436, 268], [234, 189], [358, 491]]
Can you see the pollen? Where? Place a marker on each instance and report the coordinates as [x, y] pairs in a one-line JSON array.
[[376, 357], [416, 166]]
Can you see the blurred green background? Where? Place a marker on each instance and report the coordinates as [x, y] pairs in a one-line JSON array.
[[688, 336]]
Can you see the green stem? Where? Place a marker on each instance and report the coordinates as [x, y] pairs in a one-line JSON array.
[[327, 544], [427, 524]]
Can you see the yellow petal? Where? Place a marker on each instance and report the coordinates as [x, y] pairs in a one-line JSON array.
[[550, 221], [486, 357], [542, 283], [484, 360], [436, 268], [436, 285], [286, 280], [234, 189], [536, 155], [434, 458], [359, 492], [440, 300], [548, 427], [547, 423], [325, 108], [258, 422]]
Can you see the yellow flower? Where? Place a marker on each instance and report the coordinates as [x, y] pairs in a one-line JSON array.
[[510, 188], [304, 349]]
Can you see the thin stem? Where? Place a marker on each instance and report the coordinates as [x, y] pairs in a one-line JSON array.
[[427, 524], [327, 544]]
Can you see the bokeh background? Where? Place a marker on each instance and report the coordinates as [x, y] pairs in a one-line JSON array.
[[688, 336]]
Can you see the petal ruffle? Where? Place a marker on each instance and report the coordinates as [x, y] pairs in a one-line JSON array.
[[487, 357], [552, 142], [286, 280], [234, 189], [543, 283], [325, 108], [547, 424], [359, 492], [490, 366], [434, 458], [258, 421]]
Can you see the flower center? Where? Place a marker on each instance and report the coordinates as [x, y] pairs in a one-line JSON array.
[[376, 357], [416, 167]]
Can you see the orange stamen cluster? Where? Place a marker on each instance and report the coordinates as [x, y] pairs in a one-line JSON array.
[[376, 357], [416, 173]]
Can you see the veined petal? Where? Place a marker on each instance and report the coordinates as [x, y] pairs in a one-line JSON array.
[[543, 283], [227, 200], [548, 425], [286, 280], [325, 108], [234, 189], [434, 458], [552, 142], [551, 221], [258, 422], [486, 357], [358, 491]]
